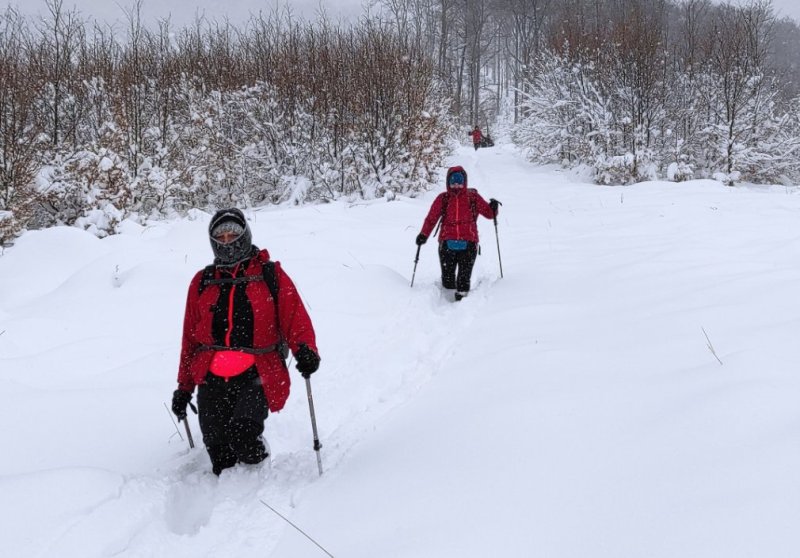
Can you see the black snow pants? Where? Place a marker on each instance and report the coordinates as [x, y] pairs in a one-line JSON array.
[[457, 266], [232, 415]]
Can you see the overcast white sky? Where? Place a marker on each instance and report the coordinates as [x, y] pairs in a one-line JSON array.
[[183, 12], [789, 8]]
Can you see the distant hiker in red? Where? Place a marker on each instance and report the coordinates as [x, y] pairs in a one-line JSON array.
[[235, 341], [476, 137], [458, 208]]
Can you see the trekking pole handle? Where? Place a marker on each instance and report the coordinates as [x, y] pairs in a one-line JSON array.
[[494, 217]]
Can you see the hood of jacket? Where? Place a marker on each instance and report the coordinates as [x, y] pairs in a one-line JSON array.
[[450, 171]]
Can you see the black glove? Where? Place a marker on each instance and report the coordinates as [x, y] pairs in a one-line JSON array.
[[307, 360], [180, 399], [421, 239], [494, 204]]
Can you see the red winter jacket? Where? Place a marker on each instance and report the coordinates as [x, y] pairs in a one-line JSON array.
[[463, 205], [476, 135], [294, 320]]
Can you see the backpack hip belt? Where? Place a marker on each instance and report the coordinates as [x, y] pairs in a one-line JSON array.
[[281, 347]]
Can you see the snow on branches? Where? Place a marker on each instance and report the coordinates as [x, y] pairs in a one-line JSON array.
[[643, 105], [277, 113]]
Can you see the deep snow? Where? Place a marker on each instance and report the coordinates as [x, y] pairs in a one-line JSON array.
[[571, 409]]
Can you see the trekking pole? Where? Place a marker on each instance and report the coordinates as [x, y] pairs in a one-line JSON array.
[[188, 432], [317, 445], [416, 259], [186, 424], [497, 235]]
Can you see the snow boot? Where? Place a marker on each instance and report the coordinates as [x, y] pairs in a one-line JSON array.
[[222, 457], [253, 451]]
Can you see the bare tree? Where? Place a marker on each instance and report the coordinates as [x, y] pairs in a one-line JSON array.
[[523, 43], [738, 51], [20, 133], [60, 34]]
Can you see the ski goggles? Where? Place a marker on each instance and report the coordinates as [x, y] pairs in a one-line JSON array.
[[226, 238], [456, 179], [227, 231]]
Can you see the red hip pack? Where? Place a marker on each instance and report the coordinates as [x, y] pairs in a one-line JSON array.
[[228, 364]]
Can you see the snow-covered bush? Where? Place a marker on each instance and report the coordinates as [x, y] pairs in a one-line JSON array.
[[644, 106], [679, 171], [617, 169], [9, 227], [279, 113], [566, 117]]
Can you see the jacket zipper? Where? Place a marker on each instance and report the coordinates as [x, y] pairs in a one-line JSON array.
[[230, 308], [230, 312], [458, 219]]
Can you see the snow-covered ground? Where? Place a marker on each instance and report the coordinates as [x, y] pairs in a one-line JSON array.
[[571, 409]]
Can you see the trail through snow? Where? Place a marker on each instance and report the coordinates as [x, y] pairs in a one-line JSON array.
[[572, 409]]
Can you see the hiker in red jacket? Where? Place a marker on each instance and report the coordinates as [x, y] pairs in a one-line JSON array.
[[476, 137], [235, 341], [458, 208]]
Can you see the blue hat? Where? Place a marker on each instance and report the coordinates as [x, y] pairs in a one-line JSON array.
[[456, 178]]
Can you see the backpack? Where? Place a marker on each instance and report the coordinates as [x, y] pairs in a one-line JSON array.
[[472, 203], [472, 206], [267, 275], [271, 279], [471, 192]]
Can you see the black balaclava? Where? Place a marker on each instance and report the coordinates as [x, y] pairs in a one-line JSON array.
[[238, 250]]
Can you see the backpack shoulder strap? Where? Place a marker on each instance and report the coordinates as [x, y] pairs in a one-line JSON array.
[[208, 276], [445, 201], [473, 205], [271, 279]]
